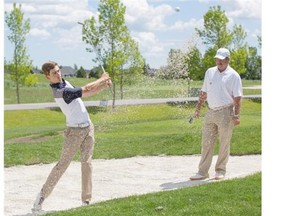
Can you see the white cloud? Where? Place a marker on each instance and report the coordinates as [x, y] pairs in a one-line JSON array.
[[181, 26], [39, 32], [70, 39], [241, 8], [148, 43], [140, 12], [55, 20], [246, 8]]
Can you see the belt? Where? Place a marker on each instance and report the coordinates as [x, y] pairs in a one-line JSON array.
[[221, 107], [82, 125]]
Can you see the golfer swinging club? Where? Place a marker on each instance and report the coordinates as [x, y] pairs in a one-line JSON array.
[[79, 133]]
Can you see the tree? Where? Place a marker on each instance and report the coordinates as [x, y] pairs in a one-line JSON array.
[[253, 64], [176, 67], [108, 37], [147, 69], [238, 39], [133, 63], [81, 73], [215, 32], [75, 67], [259, 38], [95, 72], [194, 62], [20, 66], [238, 60], [208, 59]]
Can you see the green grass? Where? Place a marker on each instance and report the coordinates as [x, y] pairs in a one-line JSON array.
[[125, 132], [235, 197]]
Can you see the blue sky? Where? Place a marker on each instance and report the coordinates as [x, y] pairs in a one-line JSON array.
[[154, 24]]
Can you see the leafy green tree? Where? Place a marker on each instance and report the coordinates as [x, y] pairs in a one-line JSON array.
[[194, 62], [20, 66], [259, 41], [133, 63], [146, 68], [81, 73], [30, 80], [238, 39], [215, 32], [108, 37], [208, 59], [95, 73], [238, 60], [253, 65]]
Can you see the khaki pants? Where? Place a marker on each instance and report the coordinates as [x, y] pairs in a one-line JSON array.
[[74, 139], [219, 122]]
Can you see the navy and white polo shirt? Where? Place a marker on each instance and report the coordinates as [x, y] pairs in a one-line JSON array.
[[69, 100]]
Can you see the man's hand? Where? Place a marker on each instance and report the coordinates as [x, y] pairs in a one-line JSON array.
[[236, 120], [95, 87], [107, 79], [196, 113], [237, 105], [201, 100]]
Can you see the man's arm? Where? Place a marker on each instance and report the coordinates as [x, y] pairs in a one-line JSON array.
[[95, 87], [201, 100], [237, 105]]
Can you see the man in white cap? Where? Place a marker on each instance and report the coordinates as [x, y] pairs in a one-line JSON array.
[[222, 88]]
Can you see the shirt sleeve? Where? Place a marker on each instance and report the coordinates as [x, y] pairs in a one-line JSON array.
[[69, 94], [205, 83], [237, 89]]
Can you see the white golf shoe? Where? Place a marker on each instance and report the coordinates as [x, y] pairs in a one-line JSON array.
[[37, 206], [219, 176], [197, 176]]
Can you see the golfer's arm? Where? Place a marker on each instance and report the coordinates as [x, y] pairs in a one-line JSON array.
[[237, 105], [94, 87], [201, 100]]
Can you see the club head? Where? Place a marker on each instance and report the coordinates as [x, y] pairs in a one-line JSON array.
[[190, 119]]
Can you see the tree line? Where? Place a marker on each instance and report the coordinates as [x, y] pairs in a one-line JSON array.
[[108, 37], [191, 64]]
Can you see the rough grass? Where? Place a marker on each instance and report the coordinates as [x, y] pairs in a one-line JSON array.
[[225, 198], [35, 136]]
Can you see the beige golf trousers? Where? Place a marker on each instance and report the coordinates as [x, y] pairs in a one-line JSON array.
[[216, 122], [74, 139]]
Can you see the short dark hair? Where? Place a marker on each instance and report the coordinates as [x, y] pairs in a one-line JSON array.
[[46, 67]]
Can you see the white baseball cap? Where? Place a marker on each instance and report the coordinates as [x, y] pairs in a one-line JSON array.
[[222, 53]]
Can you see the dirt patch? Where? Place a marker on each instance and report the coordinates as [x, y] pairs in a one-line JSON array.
[[30, 139]]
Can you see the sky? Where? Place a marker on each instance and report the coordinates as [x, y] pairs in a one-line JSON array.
[[154, 24]]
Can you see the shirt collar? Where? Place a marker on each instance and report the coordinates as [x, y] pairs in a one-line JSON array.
[[223, 72], [58, 85]]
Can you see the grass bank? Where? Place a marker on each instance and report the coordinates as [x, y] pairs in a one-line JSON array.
[[35, 136], [226, 198]]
